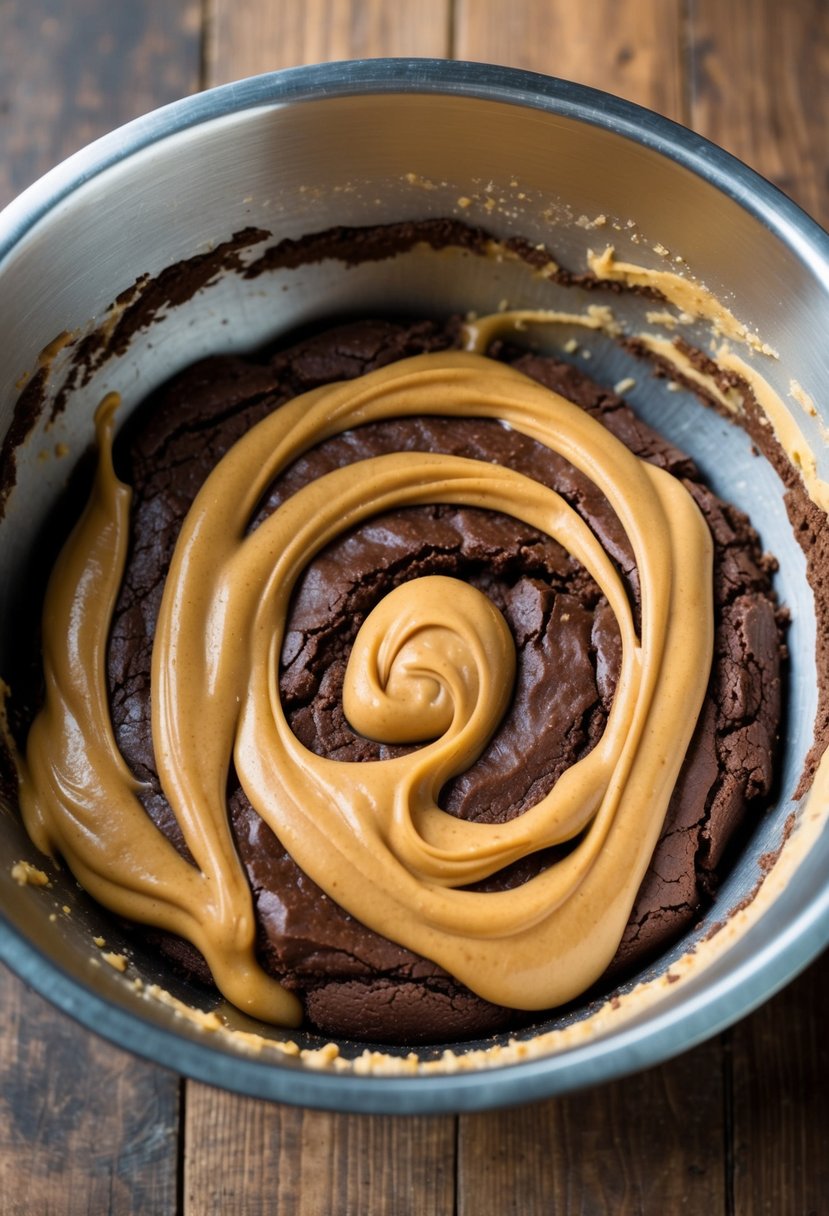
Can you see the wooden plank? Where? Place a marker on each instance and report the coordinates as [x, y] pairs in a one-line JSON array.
[[653, 1143], [266, 1160], [242, 1155], [629, 47], [251, 36], [758, 88], [83, 1127], [781, 1101], [67, 77], [644, 1146]]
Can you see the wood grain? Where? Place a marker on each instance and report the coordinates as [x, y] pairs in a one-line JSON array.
[[781, 1101], [83, 1127], [645, 1146], [629, 47], [759, 73], [65, 80], [247, 1156], [246, 37], [653, 1143]]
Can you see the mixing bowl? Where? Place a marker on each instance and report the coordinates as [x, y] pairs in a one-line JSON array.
[[278, 157]]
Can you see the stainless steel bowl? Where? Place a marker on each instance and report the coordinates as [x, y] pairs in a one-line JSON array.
[[371, 142]]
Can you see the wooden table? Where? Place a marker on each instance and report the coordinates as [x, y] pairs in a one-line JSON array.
[[738, 1126]]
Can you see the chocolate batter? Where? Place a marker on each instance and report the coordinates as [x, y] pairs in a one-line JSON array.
[[355, 983]]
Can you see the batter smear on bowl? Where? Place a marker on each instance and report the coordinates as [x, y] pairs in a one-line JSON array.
[[407, 690]]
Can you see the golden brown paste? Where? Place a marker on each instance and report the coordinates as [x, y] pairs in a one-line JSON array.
[[429, 665]]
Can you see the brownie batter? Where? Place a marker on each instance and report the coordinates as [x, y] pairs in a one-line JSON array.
[[353, 982]]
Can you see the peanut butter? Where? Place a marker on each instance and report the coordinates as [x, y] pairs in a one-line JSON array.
[[432, 664]]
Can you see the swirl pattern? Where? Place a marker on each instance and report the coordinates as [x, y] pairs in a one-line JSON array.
[[372, 835]]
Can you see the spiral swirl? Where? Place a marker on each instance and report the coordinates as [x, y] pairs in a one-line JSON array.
[[372, 834], [435, 657]]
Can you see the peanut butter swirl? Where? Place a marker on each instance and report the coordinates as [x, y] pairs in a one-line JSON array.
[[432, 664]]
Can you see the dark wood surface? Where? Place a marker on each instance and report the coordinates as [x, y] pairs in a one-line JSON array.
[[736, 1127]]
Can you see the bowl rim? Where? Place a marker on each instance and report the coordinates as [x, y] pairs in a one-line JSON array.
[[482, 81], [636, 1046]]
